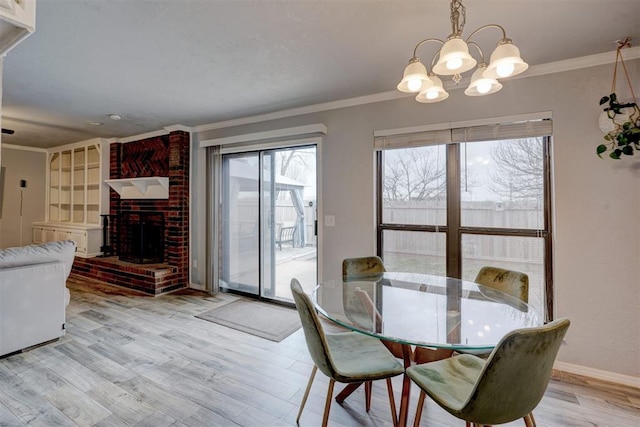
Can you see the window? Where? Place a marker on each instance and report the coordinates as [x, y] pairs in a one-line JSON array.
[[450, 202]]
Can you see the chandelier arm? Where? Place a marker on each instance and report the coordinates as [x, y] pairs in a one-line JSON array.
[[479, 51], [500, 27], [433, 60], [415, 50]]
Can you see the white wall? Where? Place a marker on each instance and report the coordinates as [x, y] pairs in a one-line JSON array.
[[596, 202], [15, 230]]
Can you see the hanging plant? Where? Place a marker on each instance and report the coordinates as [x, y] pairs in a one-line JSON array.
[[619, 121]]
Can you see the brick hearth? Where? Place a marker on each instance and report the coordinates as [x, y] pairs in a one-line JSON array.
[[154, 279], [166, 155]]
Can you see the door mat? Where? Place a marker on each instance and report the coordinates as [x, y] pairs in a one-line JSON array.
[[269, 321]]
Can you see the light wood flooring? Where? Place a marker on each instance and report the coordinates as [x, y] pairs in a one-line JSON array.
[[130, 359]]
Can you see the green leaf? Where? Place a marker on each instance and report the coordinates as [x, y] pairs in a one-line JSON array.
[[607, 137], [614, 97], [628, 150], [614, 155], [604, 100], [601, 149]]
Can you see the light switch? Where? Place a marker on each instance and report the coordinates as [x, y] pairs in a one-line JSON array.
[[329, 220]]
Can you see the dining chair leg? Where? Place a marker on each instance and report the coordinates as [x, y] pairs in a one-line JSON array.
[[392, 402], [403, 415], [306, 392], [327, 405], [529, 421], [423, 395], [367, 395]]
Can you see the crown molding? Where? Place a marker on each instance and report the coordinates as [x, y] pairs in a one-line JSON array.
[[325, 106], [164, 131], [178, 128], [141, 136], [73, 145], [23, 148], [533, 71], [578, 63]]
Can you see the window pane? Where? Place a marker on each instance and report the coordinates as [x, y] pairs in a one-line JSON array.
[[415, 252], [502, 184], [414, 186], [524, 254]]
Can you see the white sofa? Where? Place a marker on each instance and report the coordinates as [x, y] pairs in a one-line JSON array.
[[33, 294]]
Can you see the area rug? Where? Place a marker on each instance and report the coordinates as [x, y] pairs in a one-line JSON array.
[[270, 321]]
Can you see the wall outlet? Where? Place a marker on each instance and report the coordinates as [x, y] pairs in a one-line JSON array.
[[194, 263]]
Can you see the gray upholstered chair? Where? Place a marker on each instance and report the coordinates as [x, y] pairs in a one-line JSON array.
[[346, 357], [506, 386]]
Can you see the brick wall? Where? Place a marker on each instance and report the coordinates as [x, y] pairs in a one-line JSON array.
[[166, 155]]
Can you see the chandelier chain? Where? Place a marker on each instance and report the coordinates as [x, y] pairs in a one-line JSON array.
[[458, 11]]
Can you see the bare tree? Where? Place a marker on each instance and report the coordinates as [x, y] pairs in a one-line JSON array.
[[413, 174], [519, 165], [295, 163]]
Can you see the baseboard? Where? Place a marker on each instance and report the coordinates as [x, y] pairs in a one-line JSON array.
[[596, 378]]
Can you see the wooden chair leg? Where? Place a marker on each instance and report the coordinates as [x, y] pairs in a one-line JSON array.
[[392, 402], [416, 422], [367, 395], [529, 421], [306, 392], [327, 405]]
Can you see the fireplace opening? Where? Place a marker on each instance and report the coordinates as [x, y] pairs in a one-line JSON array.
[[141, 239]]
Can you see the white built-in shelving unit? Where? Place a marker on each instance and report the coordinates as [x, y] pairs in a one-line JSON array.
[[76, 196]]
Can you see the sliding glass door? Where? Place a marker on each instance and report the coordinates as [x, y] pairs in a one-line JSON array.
[[267, 221]]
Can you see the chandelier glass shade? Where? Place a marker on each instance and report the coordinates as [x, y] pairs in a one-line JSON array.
[[432, 92], [453, 59]]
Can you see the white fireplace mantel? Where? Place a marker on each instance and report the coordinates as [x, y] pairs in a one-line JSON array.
[[154, 187]]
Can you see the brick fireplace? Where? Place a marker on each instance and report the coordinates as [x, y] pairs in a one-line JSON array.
[[162, 156]]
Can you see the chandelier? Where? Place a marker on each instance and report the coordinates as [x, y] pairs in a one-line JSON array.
[[454, 59]]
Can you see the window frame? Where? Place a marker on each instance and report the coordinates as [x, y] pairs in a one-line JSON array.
[[453, 228]]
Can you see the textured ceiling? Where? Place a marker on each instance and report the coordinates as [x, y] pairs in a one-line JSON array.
[[163, 62]]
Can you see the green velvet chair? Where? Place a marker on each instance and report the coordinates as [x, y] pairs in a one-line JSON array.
[[346, 357], [362, 267], [358, 267], [506, 386], [510, 282], [368, 267]]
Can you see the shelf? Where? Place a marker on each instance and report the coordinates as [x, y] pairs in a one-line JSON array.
[[154, 187]]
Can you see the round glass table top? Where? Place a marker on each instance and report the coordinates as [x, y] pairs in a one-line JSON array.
[[423, 309]]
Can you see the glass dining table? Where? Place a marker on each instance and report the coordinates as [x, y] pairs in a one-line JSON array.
[[421, 310]]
